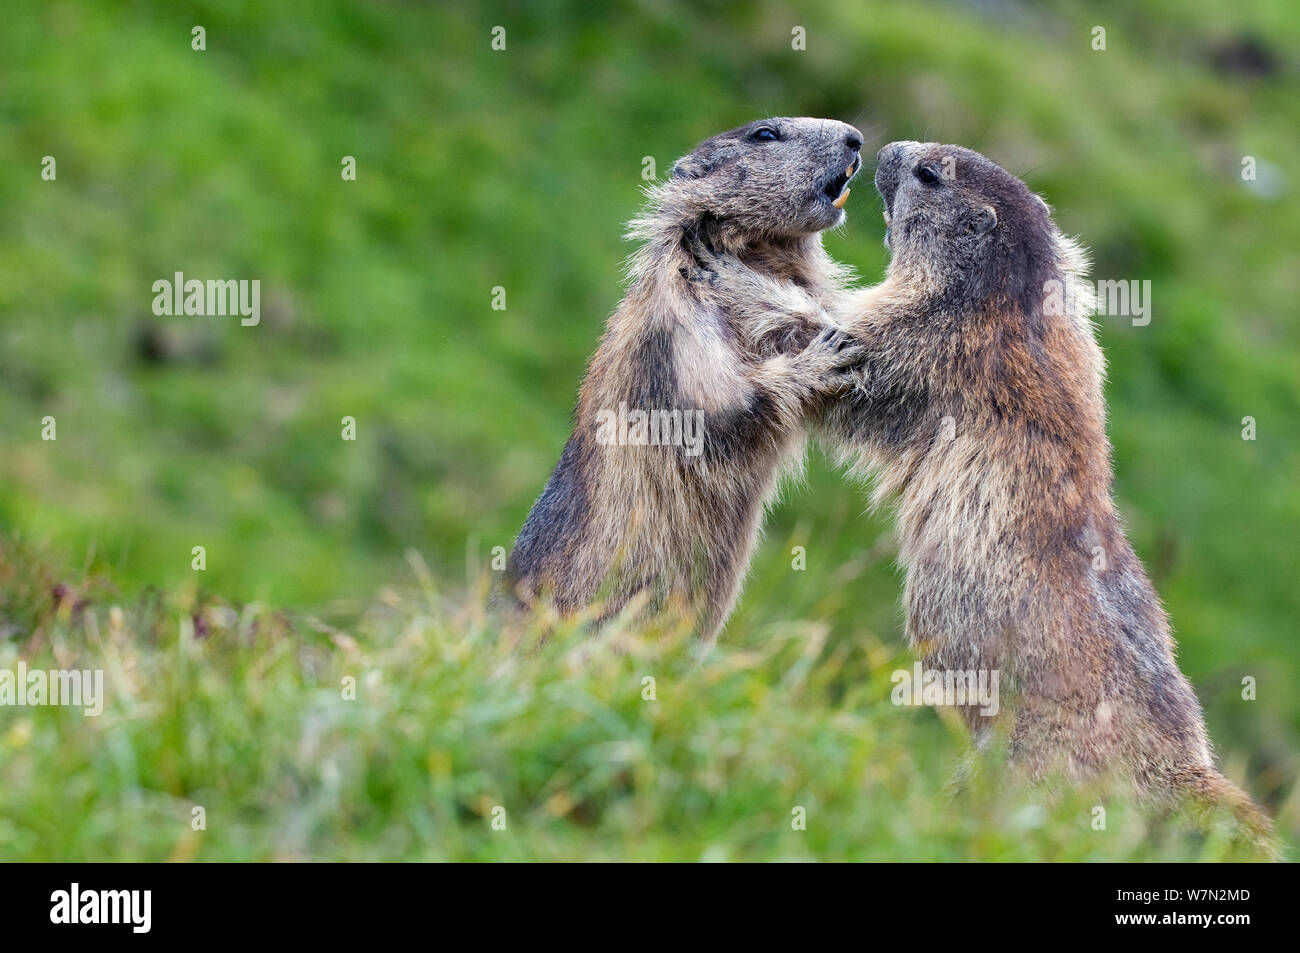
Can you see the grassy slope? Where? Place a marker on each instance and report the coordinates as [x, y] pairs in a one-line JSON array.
[[479, 169], [249, 721]]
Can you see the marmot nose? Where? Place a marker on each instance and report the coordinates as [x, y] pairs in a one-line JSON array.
[[888, 162], [853, 140]]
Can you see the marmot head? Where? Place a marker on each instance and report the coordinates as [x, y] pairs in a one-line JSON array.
[[963, 225], [772, 178]]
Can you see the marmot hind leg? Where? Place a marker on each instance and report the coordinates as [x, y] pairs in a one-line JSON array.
[[1205, 790]]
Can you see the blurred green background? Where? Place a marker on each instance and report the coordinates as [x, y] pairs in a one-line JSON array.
[[479, 168]]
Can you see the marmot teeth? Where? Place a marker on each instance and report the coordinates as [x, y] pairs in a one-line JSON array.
[[844, 197]]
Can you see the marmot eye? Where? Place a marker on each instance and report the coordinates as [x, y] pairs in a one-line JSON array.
[[927, 174], [764, 134]]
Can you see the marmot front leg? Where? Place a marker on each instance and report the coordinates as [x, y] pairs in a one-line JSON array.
[[785, 386], [776, 395], [771, 315], [794, 383]]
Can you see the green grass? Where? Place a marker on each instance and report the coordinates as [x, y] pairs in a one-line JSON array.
[[478, 169], [245, 715]]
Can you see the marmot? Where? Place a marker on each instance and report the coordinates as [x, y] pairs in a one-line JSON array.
[[979, 407], [682, 428]]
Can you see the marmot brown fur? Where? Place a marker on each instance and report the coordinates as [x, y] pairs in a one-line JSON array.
[[979, 407], [625, 516]]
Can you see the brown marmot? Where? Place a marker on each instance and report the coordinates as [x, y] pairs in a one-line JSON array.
[[682, 427], [979, 408]]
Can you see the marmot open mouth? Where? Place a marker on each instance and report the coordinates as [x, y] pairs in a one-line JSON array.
[[837, 188]]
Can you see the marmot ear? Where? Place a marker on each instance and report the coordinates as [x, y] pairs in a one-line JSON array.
[[982, 220]]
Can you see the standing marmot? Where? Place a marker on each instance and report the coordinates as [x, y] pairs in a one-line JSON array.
[[682, 429], [979, 404]]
